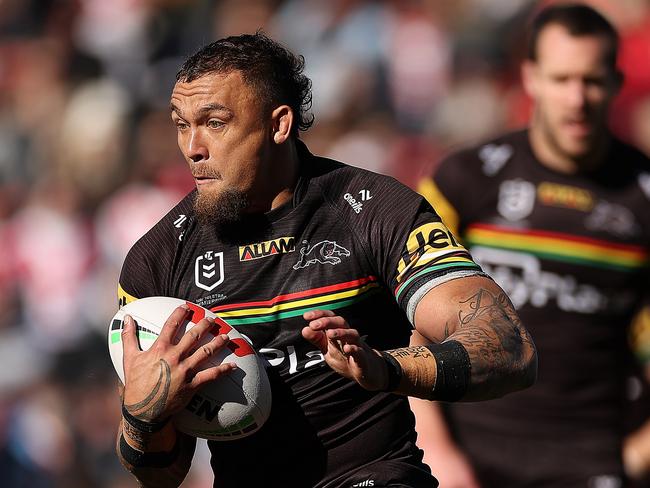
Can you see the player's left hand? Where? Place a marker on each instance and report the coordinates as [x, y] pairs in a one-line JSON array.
[[344, 349]]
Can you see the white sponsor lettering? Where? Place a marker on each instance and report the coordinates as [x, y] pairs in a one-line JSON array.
[[521, 277], [356, 206], [278, 357], [605, 481]]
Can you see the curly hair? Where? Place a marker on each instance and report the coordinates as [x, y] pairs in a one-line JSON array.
[[271, 69]]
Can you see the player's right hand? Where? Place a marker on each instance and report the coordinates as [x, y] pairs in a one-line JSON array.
[[344, 350], [161, 381]]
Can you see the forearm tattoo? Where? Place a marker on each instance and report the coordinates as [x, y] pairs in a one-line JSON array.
[[153, 405], [139, 440], [418, 371]]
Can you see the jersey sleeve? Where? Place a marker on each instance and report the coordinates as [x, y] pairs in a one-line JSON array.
[[411, 247], [446, 190], [135, 278], [147, 264], [639, 332], [429, 256]]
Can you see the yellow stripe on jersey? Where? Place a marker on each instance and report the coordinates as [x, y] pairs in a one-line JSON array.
[[430, 242], [640, 335], [123, 297], [429, 190]]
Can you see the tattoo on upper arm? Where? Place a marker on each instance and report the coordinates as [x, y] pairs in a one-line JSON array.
[[444, 335], [492, 332], [152, 406]]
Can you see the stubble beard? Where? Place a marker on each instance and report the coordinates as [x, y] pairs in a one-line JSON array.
[[579, 153], [220, 209]]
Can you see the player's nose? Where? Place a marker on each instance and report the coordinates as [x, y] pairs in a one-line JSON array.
[[577, 94], [197, 150]]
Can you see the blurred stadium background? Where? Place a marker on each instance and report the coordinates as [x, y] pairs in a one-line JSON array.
[[88, 161]]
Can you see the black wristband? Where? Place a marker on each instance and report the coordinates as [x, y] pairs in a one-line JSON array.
[[142, 425], [453, 370], [394, 372], [139, 459]]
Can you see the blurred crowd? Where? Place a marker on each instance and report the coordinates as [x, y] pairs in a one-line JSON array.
[[88, 162]]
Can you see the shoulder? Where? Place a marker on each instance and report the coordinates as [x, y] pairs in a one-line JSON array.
[[168, 230], [631, 164], [352, 189], [487, 158], [151, 257]]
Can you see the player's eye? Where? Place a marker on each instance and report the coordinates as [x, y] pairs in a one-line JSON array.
[[214, 123], [180, 125]]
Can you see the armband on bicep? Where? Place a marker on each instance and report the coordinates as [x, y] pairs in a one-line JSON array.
[[433, 372]]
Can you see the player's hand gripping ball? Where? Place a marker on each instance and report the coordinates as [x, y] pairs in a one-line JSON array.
[[231, 407]]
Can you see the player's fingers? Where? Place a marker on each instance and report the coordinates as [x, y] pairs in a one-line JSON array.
[[354, 354], [129, 337], [324, 323], [344, 335], [206, 351], [316, 337], [192, 337], [316, 314], [353, 350], [172, 324], [211, 374]]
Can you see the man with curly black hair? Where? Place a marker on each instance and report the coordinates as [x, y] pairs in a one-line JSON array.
[[327, 269]]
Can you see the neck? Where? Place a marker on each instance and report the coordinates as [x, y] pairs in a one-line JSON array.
[[283, 174], [552, 157]]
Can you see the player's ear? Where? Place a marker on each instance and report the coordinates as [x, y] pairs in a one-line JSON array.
[[529, 77], [282, 123]]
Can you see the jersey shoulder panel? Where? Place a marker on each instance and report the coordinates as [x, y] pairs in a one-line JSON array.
[[148, 262], [404, 238], [357, 193], [369, 204], [481, 161], [631, 162], [468, 171]]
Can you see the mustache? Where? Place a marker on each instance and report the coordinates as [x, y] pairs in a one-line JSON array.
[[200, 170]]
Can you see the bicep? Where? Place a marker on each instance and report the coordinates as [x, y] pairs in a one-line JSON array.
[[476, 312], [450, 305]]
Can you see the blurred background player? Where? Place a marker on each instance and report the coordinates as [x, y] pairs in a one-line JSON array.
[[558, 215]]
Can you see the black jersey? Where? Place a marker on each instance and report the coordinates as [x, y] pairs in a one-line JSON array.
[[572, 253], [351, 241]]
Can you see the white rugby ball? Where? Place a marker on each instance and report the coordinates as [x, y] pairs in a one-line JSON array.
[[231, 407]]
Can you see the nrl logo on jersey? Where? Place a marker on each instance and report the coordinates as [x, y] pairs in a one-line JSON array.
[[259, 250], [516, 199], [208, 270]]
